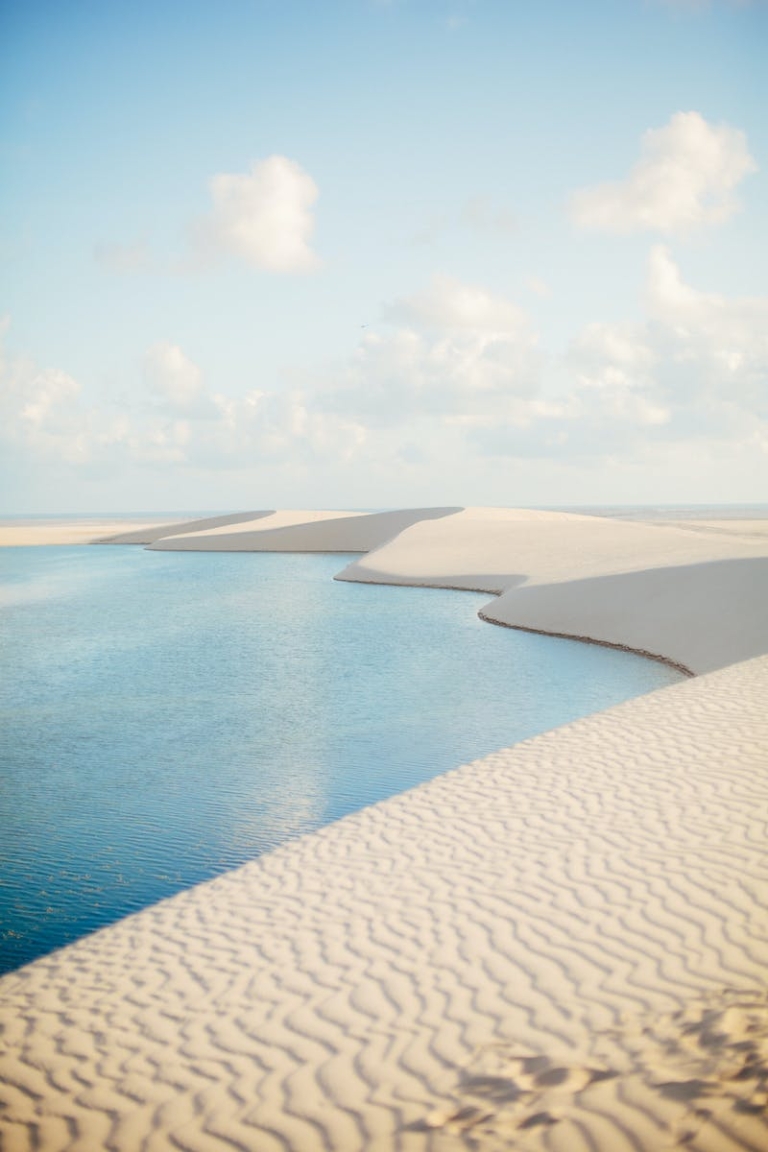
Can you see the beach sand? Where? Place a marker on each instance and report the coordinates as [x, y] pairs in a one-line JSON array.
[[307, 532], [19, 533], [561, 946], [692, 593]]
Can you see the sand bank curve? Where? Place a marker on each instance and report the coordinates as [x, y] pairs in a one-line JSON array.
[[695, 597]]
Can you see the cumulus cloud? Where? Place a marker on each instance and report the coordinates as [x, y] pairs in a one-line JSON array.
[[42, 413], [685, 179], [713, 349], [448, 304], [176, 422], [176, 382], [264, 216], [451, 351], [694, 370], [453, 369]]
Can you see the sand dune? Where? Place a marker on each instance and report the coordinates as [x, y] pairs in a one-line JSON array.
[[695, 596], [320, 532], [181, 527], [698, 616], [265, 523], [86, 530], [562, 946]]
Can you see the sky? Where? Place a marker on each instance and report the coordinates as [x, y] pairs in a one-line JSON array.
[[375, 253]]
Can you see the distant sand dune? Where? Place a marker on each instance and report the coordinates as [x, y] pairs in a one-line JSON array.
[[267, 522], [694, 595], [561, 946], [20, 533], [180, 527], [339, 532]]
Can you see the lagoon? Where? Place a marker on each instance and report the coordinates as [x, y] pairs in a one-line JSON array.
[[168, 716]]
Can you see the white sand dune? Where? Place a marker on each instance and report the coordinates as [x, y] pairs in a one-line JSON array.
[[694, 595], [562, 946], [182, 527], [85, 530], [319, 532], [266, 522]]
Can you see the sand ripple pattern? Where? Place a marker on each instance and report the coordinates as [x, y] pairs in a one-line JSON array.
[[562, 946]]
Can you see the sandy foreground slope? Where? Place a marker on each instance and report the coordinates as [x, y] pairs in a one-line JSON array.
[[562, 946]]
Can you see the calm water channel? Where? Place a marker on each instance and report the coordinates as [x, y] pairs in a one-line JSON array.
[[167, 716]]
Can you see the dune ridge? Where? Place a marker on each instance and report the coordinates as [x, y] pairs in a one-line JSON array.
[[334, 532], [694, 597], [560, 946], [180, 528]]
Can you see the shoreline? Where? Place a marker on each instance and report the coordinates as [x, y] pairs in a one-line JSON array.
[[559, 946], [591, 640]]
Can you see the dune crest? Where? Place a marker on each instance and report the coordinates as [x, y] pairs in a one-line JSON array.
[[311, 532], [691, 595], [180, 528]]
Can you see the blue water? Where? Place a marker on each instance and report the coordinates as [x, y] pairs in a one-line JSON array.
[[167, 716]]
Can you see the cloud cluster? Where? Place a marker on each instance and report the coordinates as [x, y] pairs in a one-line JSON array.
[[175, 382], [452, 369], [685, 179], [453, 351], [264, 216], [693, 371]]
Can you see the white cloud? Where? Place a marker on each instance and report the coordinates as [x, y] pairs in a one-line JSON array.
[[42, 413], [177, 423], [714, 348], [175, 381], [694, 371], [685, 179], [456, 373], [454, 350], [264, 216], [448, 304]]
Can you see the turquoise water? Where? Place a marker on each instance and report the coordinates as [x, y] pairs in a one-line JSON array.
[[168, 716]]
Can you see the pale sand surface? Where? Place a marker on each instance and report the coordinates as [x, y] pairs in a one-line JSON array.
[[284, 519], [561, 946], [181, 527], [337, 532], [691, 593], [15, 533]]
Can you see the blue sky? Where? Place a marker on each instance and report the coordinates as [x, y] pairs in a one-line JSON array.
[[261, 254]]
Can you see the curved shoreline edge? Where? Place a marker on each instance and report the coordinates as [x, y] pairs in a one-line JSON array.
[[591, 640], [560, 946]]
